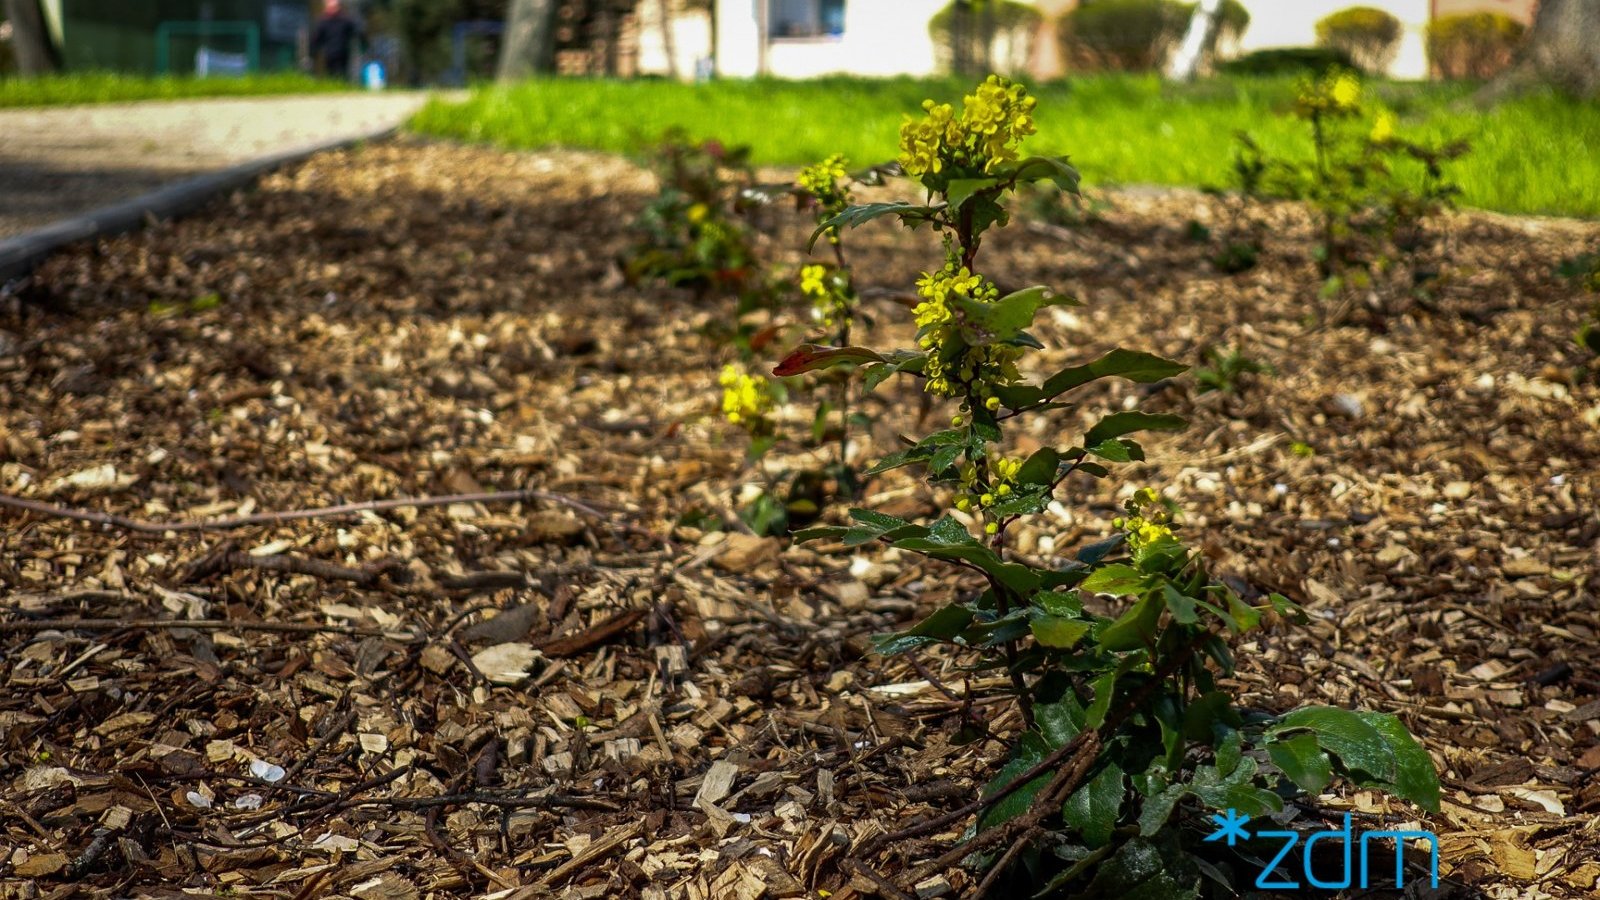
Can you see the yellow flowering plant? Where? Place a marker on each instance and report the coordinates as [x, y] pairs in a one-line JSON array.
[[1364, 179], [1125, 729], [689, 236]]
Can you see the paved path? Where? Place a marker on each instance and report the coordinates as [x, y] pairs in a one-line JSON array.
[[63, 161]]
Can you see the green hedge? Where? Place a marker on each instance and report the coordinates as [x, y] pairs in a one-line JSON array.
[[1288, 61], [1136, 35], [994, 35]]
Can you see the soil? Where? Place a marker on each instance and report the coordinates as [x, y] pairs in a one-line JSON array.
[[593, 692]]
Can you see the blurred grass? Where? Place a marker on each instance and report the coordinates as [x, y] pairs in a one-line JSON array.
[[106, 87], [1534, 154]]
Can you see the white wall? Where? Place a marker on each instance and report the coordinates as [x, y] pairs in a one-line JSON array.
[[1293, 23], [881, 37]]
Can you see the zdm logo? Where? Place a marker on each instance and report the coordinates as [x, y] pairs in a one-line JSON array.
[[1230, 828]]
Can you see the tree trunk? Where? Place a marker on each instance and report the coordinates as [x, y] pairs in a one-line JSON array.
[[29, 39], [669, 43], [1562, 49], [1185, 64], [529, 44]]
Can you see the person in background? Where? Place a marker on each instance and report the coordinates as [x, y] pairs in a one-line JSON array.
[[334, 40]]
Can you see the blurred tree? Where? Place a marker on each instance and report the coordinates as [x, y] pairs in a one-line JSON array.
[[529, 46], [1563, 49], [29, 41]]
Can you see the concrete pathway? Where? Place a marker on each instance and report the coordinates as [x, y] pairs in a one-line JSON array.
[[63, 161]]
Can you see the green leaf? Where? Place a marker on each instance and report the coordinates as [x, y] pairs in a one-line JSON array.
[[821, 532], [1415, 778], [959, 189], [1003, 319], [1057, 632], [1092, 809], [1158, 809], [1116, 579], [1058, 603], [1182, 607], [942, 625], [1040, 468], [1345, 734], [1121, 423], [807, 357], [1135, 628], [909, 213], [1142, 368], [1028, 752], [1059, 721], [1117, 451], [877, 519], [1036, 168], [1303, 761]]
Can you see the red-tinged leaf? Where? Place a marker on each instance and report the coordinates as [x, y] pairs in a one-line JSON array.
[[808, 357]]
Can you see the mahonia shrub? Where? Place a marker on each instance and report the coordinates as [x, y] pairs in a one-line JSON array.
[[689, 235], [1365, 181], [1115, 658]]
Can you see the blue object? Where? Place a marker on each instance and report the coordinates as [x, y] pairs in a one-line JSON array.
[[373, 77]]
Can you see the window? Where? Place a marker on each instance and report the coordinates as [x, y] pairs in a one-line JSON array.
[[805, 18]]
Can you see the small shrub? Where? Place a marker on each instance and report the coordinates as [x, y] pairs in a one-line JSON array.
[[984, 35], [1476, 45], [688, 235], [1224, 372], [1288, 61], [1370, 36], [1358, 178], [1117, 660], [1122, 35]]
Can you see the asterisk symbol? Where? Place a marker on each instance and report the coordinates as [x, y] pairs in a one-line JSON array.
[[1230, 826]]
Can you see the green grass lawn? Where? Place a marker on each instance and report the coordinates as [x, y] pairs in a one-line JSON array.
[[1536, 154], [62, 90]]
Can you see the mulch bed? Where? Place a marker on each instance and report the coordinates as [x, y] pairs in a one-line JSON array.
[[573, 693]]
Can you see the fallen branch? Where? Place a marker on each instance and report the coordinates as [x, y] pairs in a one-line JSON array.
[[199, 625], [583, 641], [296, 565]]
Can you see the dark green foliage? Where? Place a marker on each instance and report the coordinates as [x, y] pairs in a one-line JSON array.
[[1288, 61], [1135, 35]]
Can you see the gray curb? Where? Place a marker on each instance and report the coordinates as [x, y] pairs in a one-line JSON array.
[[19, 255]]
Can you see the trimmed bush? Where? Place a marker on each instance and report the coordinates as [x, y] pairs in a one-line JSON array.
[[1476, 45], [1370, 36], [1288, 61], [984, 35], [1137, 35]]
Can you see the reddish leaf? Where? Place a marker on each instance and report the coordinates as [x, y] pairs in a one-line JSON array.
[[807, 357]]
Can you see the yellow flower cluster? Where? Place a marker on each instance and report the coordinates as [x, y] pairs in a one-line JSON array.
[[1335, 94], [822, 180], [976, 495], [935, 323], [994, 119], [1147, 522], [1382, 128], [829, 303], [746, 399]]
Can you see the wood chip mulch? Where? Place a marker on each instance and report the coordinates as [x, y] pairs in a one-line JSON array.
[[576, 691]]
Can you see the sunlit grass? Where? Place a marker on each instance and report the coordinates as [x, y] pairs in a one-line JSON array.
[[1530, 155], [103, 87]]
